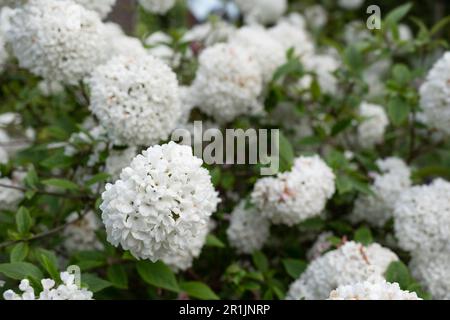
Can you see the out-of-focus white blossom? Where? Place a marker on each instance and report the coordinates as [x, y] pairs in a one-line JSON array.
[[80, 234], [161, 206], [102, 7], [10, 197], [321, 245], [121, 44], [262, 11], [295, 196], [374, 76], [56, 39], [292, 35], [373, 126], [228, 82], [375, 288], [356, 31], [119, 159], [68, 290], [316, 16], [324, 67], [422, 217], [50, 88], [160, 47], [435, 95], [3, 53], [248, 230], [350, 4], [210, 33], [268, 53], [157, 6], [432, 270], [393, 179], [136, 99], [349, 264]]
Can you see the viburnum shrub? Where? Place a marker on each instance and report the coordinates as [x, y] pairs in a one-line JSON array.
[[103, 195]]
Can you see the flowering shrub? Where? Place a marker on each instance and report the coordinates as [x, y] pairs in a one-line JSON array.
[[100, 199]]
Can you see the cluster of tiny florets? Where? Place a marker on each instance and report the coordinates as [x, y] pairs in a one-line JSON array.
[[394, 178], [295, 196], [136, 99], [262, 11], [57, 40], [373, 126], [349, 264], [160, 207]]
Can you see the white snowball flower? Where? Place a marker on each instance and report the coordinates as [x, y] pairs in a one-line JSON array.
[[435, 95], [350, 263], [321, 245], [102, 7], [68, 290], [119, 159], [228, 83], [157, 6], [356, 31], [210, 33], [393, 179], [136, 99], [432, 270], [160, 47], [295, 196], [10, 197], [248, 230], [262, 11], [187, 104], [375, 288], [373, 126], [268, 53], [350, 4], [58, 40], [292, 35], [316, 16], [161, 206], [422, 217], [324, 67], [80, 234], [121, 44]]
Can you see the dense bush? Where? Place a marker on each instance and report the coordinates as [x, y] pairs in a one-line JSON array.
[[364, 153]]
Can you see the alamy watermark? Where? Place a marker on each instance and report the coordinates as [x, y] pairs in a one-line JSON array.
[[236, 146]]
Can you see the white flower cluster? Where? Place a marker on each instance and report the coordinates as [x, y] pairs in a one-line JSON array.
[[350, 4], [316, 16], [119, 159], [121, 44], [3, 53], [228, 82], [422, 218], [58, 40], [10, 197], [295, 196], [324, 67], [432, 270], [68, 290], [349, 264], [80, 234], [321, 245], [102, 7], [161, 206], [157, 6], [393, 179], [375, 288], [292, 34], [248, 230], [435, 95], [136, 99], [373, 126], [262, 11], [269, 53], [210, 33]]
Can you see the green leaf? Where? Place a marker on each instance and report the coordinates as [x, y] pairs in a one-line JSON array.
[[440, 25], [213, 241], [20, 270], [344, 184], [286, 153], [23, 220], [397, 14], [101, 177], [260, 261], [341, 126], [61, 183], [49, 262], [294, 267], [198, 290], [118, 276], [215, 176], [31, 179], [158, 275], [401, 74], [353, 58], [19, 252], [94, 283], [398, 272], [398, 111], [363, 235], [58, 160]]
